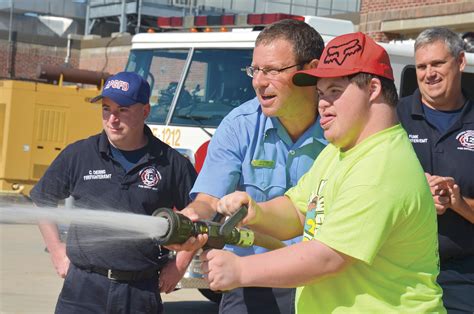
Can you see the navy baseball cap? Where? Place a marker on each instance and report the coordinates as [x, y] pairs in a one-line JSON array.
[[126, 89]]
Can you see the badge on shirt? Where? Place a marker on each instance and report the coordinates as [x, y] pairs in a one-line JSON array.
[[263, 163], [150, 177], [466, 139]]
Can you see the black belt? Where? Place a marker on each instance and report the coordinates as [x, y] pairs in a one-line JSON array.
[[121, 275]]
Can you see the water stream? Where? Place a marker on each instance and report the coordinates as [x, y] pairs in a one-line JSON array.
[[141, 226]]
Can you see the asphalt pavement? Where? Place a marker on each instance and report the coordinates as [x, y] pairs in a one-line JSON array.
[[29, 284]]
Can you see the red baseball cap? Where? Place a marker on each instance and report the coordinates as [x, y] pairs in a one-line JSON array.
[[345, 55]]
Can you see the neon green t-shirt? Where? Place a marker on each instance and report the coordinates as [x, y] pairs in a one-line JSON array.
[[372, 203]]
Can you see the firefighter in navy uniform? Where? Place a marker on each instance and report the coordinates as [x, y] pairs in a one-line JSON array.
[[126, 169], [439, 120]]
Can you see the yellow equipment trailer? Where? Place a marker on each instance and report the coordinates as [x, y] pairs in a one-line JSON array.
[[37, 120]]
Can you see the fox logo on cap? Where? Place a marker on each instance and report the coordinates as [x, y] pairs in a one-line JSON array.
[[346, 55], [341, 52]]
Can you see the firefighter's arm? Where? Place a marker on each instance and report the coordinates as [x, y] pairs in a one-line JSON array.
[[203, 207], [56, 248], [462, 205], [174, 270]]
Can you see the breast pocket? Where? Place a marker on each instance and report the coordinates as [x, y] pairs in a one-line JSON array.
[[264, 183]]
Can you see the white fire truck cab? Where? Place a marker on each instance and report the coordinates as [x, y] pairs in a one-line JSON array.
[[199, 77]]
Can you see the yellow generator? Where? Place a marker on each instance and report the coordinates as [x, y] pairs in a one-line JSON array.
[[37, 121]]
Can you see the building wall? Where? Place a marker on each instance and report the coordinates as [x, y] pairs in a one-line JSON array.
[[92, 55], [27, 57], [374, 15], [105, 54]]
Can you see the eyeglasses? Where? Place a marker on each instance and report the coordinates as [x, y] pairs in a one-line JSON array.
[[252, 71]]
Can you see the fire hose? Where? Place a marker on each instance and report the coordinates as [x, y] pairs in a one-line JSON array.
[[181, 228]]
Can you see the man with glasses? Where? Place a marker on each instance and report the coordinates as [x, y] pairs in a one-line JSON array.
[[264, 146], [365, 208]]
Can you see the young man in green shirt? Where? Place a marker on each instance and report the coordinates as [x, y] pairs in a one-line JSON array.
[[365, 207]]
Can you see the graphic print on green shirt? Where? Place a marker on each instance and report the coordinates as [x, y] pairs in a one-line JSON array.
[[315, 213]]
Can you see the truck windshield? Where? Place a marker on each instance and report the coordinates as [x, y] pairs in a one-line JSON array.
[[214, 83]]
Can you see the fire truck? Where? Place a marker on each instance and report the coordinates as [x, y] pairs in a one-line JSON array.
[[198, 76]]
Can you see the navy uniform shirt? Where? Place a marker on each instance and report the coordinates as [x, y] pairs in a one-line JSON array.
[[448, 154], [87, 171]]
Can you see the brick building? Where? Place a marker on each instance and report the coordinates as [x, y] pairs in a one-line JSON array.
[[22, 59], [385, 20]]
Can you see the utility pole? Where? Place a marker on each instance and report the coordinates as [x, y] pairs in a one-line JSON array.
[[88, 14], [123, 18], [139, 16]]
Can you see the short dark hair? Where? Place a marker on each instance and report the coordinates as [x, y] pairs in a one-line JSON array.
[[389, 90], [307, 42]]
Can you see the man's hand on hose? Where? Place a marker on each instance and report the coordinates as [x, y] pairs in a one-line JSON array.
[[231, 203], [191, 245]]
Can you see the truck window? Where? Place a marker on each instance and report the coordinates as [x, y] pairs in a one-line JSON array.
[[215, 84], [163, 69], [408, 83], [468, 83]]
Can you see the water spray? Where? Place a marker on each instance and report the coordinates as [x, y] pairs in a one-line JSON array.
[[165, 227]]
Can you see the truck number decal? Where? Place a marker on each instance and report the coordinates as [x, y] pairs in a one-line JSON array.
[[171, 136]]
